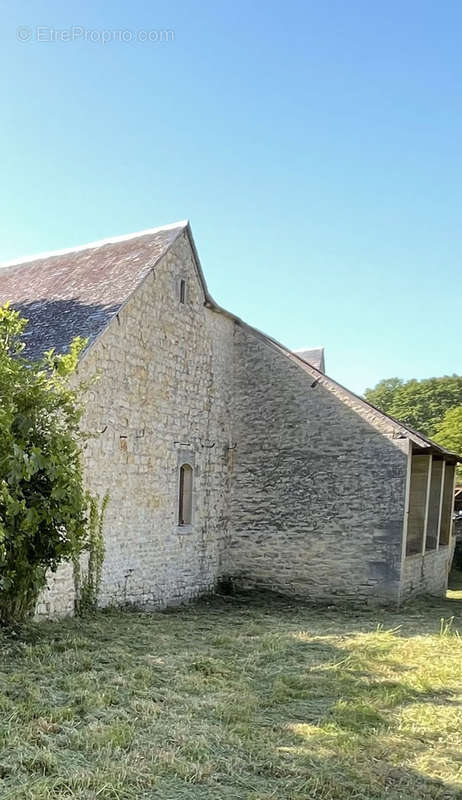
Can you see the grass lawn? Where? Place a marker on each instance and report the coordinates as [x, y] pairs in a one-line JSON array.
[[244, 697]]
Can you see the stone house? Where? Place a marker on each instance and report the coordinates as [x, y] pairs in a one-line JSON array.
[[225, 454]]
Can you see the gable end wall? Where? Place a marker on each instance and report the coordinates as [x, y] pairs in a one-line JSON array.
[[165, 389], [298, 487], [318, 491]]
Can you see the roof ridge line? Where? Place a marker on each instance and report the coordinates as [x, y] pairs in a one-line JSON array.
[[152, 265], [93, 245], [303, 349], [321, 377]]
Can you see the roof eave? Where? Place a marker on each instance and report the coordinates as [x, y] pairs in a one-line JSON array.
[[401, 430]]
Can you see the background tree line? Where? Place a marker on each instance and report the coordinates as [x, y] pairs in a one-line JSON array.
[[432, 406]]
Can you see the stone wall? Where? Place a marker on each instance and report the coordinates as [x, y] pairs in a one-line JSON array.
[[164, 394], [57, 600], [426, 574], [318, 491], [299, 487]]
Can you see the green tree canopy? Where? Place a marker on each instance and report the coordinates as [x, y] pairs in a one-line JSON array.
[[44, 507], [420, 404], [449, 433]]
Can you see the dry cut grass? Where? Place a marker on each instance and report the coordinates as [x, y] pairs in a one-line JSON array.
[[247, 697]]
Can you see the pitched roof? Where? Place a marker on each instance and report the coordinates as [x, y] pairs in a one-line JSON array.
[[355, 401], [367, 410], [314, 356], [76, 292]]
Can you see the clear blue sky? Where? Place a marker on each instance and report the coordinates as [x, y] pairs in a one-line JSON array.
[[316, 148]]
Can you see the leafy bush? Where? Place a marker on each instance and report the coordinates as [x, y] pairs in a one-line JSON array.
[[44, 507]]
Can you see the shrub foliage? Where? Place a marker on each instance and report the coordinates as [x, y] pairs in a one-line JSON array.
[[44, 507]]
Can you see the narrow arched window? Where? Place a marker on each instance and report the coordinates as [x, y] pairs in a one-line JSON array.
[[182, 291], [185, 495]]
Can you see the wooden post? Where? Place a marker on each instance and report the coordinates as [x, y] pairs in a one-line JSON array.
[[418, 504], [443, 472], [406, 503], [448, 505], [427, 501]]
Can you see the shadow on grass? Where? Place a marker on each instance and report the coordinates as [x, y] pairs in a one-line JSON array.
[[455, 586], [341, 718], [251, 698]]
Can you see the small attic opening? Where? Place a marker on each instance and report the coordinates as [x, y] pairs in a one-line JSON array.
[[182, 291]]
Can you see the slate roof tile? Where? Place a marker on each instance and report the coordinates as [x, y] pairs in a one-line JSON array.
[[76, 292]]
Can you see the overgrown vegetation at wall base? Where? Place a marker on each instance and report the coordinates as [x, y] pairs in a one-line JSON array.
[[87, 582], [44, 507], [238, 698]]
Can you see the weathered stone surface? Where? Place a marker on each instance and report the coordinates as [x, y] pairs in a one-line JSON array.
[[426, 574], [299, 486], [318, 491], [57, 600], [165, 386]]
